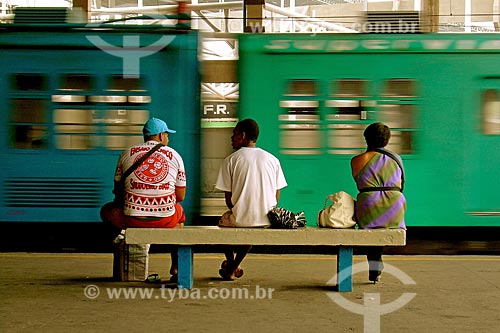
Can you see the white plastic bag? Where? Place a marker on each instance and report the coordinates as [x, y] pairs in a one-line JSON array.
[[130, 261], [339, 214]]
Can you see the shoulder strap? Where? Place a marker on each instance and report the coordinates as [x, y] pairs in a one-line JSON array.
[[139, 161], [398, 161]]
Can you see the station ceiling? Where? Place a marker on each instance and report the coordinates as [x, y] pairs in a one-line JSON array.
[[129, 3]]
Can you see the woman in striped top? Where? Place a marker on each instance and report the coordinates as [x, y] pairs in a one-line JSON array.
[[379, 177]]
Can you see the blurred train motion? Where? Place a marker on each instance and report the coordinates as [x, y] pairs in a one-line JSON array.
[[73, 97], [439, 93], [69, 108]]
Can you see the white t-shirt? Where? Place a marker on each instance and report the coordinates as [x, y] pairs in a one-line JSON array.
[[252, 175], [150, 189]]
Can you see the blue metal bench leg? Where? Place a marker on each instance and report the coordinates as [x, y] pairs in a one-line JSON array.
[[344, 269], [185, 269]]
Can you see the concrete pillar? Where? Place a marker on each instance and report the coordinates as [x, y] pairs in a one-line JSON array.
[[430, 16], [468, 16], [85, 6], [417, 5], [496, 14], [252, 15], [395, 5]]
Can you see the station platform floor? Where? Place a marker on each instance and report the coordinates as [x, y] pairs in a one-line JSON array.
[[72, 292]]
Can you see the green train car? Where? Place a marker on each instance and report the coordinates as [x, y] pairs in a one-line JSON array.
[[313, 95]]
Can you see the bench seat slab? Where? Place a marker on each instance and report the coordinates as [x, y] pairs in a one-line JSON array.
[[313, 236]]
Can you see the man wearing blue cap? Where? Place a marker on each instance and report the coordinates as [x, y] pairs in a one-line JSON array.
[[152, 191]]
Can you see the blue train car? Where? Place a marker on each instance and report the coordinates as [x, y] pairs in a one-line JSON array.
[[73, 96], [313, 95]]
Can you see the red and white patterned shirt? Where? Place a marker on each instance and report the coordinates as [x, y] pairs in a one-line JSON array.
[[150, 189]]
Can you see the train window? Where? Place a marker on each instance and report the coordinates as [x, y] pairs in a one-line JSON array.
[[74, 129], [29, 137], [86, 120], [305, 106], [346, 105], [303, 139], [29, 110], [399, 88], [302, 87], [76, 82], [490, 112], [28, 123], [120, 83], [345, 108], [73, 83], [108, 99], [123, 128], [345, 138], [295, 108], [139, 99], [299, 120], [401, 142], [348, 88], [399, 114], [29, 82], [120, 99], [342, 109], [68, 98]]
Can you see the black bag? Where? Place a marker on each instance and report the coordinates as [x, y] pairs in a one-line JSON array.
[[282, 218]]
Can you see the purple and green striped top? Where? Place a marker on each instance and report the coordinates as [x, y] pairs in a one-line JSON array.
[[380, 209]]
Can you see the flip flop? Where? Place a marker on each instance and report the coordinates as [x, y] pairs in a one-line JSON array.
[[223, 273], [153, 278], [238, 272], [225, 276]]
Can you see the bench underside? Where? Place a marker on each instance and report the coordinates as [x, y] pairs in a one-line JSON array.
[[185, 279], [188, 237]]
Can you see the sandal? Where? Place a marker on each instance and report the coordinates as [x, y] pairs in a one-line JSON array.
[[238, 272], [153, 278], [374, 277], [222, 272], [225, 276]]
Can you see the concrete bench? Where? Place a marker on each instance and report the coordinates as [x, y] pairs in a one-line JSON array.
[[189, 236]]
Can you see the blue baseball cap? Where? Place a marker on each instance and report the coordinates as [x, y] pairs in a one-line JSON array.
[[155, 126]]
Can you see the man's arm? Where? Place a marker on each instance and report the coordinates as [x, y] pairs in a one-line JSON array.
[[180, 193], [228, 195]]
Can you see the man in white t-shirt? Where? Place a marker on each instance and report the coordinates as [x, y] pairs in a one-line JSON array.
[[251, 179]]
